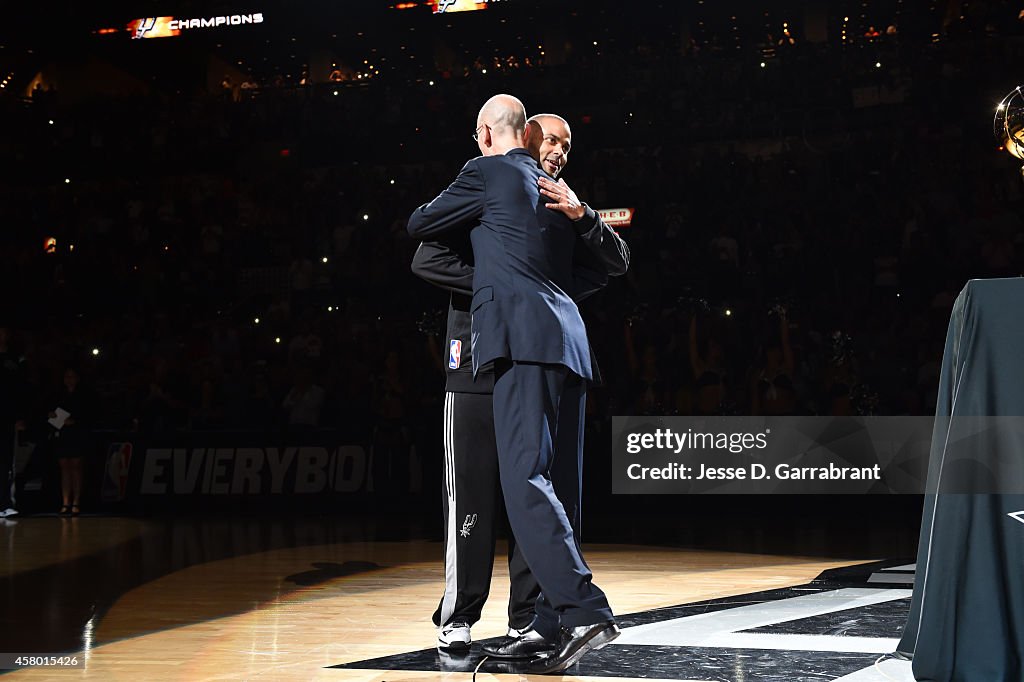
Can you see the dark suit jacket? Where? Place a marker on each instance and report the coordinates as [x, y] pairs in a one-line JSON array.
[[449, 264], [523, 253]]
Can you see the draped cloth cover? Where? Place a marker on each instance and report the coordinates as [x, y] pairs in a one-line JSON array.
[[966, 620]]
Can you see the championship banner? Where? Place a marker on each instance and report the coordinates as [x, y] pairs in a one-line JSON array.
[[617, 217], [169, 27], [447, 6]]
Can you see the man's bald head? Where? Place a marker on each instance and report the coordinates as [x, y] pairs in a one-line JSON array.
[[549, 119], [501, 125]]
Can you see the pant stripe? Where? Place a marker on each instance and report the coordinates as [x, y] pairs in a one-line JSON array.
[[451, 583]]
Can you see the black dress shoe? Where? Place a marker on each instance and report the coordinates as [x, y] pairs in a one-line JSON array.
[[574, 644], [527, 645]]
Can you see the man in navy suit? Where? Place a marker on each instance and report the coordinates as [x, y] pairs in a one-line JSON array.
[[525, 322], [471, 482]]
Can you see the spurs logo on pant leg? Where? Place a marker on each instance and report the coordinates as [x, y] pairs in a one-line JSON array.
[[467, 525]]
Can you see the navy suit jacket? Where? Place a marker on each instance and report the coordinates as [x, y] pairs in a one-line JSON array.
[[522, 306], [448, 263]]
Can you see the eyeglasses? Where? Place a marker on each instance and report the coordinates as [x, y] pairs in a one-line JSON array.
[[476, 133]]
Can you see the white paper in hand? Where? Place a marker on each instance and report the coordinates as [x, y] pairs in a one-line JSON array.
[[58, 421]]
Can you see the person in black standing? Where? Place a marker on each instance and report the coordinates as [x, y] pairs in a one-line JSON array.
[[13, 398], [471, 495], [72, 441]]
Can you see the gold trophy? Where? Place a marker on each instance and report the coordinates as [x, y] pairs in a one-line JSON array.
[[1008, 124]]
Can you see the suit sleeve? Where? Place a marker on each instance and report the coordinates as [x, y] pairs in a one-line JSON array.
[[442, 264], [609, 252], [458, 207]]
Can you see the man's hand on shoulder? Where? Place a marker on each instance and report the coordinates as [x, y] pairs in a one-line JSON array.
[[564, 199]]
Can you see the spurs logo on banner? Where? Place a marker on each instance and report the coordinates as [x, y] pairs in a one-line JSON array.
[[144, 26], [449, 6], [467, 525], [153, 27]]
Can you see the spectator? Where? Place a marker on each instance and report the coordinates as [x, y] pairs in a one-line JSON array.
[[305, 400], [13, 397], [72, 439]]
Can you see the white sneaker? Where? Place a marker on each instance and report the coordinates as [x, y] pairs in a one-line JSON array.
[[453, 636], [10, 511]]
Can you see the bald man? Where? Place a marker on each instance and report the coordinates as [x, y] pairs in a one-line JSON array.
[[471, 484], [528, 326]]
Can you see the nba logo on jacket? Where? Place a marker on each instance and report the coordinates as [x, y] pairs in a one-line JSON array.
[[455, 354]]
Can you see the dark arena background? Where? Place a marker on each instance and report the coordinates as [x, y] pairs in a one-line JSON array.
[[204, 209]]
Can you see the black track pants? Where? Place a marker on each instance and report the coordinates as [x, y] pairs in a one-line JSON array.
[[473, 510]]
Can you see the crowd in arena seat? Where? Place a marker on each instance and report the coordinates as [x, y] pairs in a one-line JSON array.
[[802, 229]]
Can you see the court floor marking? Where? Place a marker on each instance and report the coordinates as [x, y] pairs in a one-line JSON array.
[[885, 671], [724, 628]]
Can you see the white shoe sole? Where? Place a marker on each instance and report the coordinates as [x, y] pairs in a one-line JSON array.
[[454, 644]]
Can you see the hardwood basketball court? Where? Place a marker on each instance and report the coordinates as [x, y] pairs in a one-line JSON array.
[[239, 600]]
